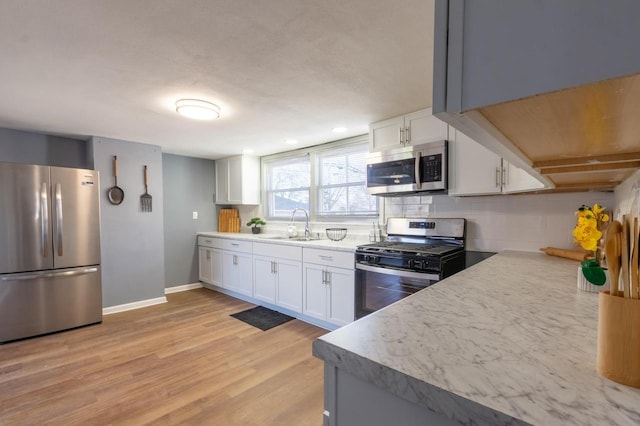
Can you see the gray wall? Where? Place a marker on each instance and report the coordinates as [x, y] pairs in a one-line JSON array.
[[34, 148], [188, 188], [132, 242]]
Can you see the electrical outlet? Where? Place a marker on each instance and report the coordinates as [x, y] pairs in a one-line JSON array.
[[195, 215]]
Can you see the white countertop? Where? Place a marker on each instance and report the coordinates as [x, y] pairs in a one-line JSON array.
[[510, 340], [348, 244]]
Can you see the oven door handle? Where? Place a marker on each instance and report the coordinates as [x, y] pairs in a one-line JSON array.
[[397, 272]]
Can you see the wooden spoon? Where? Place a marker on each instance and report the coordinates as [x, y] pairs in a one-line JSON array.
[[613, 251], [624, 256], [634, 259]]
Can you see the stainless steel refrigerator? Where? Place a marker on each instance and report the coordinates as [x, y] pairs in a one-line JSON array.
[[49, 250]]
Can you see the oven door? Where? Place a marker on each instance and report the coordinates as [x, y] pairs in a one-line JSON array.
[[377, 287]]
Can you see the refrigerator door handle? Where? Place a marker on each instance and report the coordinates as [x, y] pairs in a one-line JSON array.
[[44, 220], [34, 276], [59, 218]]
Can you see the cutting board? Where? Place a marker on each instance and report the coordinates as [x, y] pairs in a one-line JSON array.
[[228, 220]]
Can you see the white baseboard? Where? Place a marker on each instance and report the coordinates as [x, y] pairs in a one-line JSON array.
[[133, 305], [185, 287]]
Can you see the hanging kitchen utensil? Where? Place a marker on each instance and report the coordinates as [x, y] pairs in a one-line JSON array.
[[145, 199], [115, 193], [613, 250]]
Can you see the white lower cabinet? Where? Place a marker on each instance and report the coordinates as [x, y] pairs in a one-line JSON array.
[[316, 283], [264, 286], [329, 286], [210, 266], [315, 291], [209, 260], [205, 271], [237, 272], [237, 266], [278, 275]]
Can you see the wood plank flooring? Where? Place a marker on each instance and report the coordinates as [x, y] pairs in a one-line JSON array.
[[184, 362]]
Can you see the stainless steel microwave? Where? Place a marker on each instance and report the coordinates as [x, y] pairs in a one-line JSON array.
[[412, 169]]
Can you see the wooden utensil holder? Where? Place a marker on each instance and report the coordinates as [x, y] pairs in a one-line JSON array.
[[619, 339]]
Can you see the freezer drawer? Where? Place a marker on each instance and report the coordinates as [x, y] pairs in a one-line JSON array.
[[46, 301]]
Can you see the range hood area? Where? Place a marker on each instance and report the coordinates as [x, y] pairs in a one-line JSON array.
[[555, 90]]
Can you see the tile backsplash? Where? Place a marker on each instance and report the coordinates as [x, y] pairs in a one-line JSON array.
[[494, 223], [501, 222], [627, 197]]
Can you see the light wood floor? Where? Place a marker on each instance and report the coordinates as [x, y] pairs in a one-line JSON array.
[[183, 362]]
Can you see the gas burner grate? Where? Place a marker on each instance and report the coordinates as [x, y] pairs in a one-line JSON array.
[[402, 247]]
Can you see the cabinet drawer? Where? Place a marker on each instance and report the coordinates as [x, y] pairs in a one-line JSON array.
[[238, 245], [280, 251], [209, 242], [337, 259]]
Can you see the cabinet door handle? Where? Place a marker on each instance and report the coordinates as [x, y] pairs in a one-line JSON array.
[[407, 134], [323, 257], [208, 255], [328, 278], [235, 244], [505, 176], [401, 135], [235, 259], [275, 268], [324, 280], [498, 177]]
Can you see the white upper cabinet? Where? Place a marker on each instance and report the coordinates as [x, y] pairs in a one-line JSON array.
[[517, 180], [410, 129], [474, 170], [238, 180]]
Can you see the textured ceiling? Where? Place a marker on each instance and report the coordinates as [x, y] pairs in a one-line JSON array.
[[279, 69]]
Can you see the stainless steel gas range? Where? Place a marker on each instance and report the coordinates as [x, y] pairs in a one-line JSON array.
[[417, 254]]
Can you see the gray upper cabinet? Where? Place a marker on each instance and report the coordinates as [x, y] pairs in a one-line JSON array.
[[551, 86]]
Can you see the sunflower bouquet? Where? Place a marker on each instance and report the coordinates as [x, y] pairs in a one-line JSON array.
[[588, 233]]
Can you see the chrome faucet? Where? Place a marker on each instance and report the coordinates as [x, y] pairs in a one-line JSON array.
[[307, 231]]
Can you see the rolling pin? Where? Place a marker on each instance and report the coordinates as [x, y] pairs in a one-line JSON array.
[[567, 254]]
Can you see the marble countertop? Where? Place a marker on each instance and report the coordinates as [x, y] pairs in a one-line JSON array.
[[510, 340], [349, 244]]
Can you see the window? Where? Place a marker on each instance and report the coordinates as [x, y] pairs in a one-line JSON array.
[[341, 188], [329, 181], [287, 185]]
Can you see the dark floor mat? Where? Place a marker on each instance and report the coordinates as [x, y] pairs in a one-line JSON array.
[[262, 318]]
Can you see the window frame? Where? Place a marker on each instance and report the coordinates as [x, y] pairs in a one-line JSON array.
[[266, 191], [314, 152]]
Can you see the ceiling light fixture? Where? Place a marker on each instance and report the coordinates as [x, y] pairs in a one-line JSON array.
[[197, 109], [339, 129], [291, 142]]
